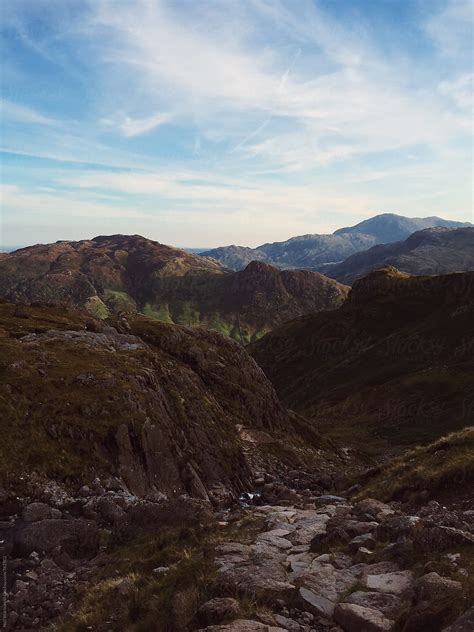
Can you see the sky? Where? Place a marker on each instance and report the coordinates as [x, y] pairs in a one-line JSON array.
[[231, 122]]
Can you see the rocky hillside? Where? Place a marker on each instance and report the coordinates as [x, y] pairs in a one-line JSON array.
[[155, 404], [392, 367], [312, 252], [430, 251], [110, 275]]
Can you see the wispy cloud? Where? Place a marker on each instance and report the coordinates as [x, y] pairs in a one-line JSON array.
[[23, 114]]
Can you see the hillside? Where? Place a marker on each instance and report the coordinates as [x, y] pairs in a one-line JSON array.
[[393, 367], [156, 404], [119, 273], [314, 251], [426, 252]]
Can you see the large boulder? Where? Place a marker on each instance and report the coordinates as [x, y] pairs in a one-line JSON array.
[[218, 610], [353, 618], [78, 538]]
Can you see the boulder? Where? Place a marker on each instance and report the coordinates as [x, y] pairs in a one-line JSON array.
[[218, 610], [389, 605], [36, 511], [243, 625], [439, 538], [353, 618], [394, 583], [79, 538], [371, 509], [315, 603], [465, 623]]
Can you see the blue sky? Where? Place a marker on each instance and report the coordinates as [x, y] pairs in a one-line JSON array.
[[216, 122]]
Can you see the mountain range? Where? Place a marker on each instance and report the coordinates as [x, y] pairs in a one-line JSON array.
[[313, 251], [430, 251], [112, 274]]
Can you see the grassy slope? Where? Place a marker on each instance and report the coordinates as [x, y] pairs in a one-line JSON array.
[[392, 367]]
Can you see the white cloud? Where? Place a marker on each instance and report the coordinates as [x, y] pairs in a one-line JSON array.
[[24, 114], [451, 28], [134, 127]]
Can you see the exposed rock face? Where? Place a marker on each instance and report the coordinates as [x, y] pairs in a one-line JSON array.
[[158, 406], [314, 251], [110, 275], [430, 251], [392, 367]]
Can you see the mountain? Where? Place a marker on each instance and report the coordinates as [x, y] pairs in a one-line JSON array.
[[388, 227], [119, 273], [392, 367], [430, 251], [313, 251]]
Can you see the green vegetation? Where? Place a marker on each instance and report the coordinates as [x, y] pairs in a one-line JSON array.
[[119, 301], [157, 312]]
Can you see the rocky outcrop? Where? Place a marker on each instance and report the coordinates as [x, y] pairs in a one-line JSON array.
[[156, 405]]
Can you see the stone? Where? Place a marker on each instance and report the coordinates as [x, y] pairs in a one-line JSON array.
[[366, 540], [370, 507], [274, 540], [465, 623], [355, 528], [394, 583], [267, 581], [328, 499], [314, 603], [161, 570], [243, 625], [388, 604], [36, 511], [438, 538], [288, 624], [354, 618], [79, 538], [432, 588], [325, 580], [218, 610]]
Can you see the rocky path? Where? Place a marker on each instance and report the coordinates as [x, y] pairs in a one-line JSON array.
[[339, 566]]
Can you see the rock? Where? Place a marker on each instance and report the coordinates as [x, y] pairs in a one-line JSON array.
[[288, 624], [366, 540], [109, 510], [314, 603], [218, 610], [160, 570], [325, 580], [36, 511], [79, 538], [431, 589], [371, 508], [243, 625], [465, 623], [329, 499], [266, 581], [395, 528], [354, 618], [394, 583], [439, 538], [355, 528], [183, 607], [388, 604], [126, 587]]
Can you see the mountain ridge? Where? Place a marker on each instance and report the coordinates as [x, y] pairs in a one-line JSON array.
[[312, 251]]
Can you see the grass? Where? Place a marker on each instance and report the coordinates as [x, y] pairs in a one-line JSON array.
[[165, 602], [447, 465]]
